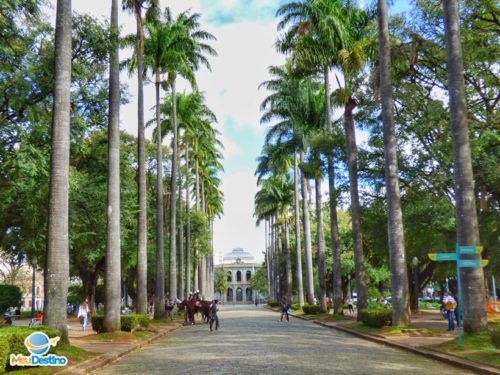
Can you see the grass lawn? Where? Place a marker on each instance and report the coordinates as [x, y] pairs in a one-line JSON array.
[[395, 330], [476, 347]]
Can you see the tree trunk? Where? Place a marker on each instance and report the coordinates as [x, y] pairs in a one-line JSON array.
[[300, 287], [334, 226], [180, 282], [288, 262], [320, 239], [142, 260], [173, 185], [160, 248], [188, 230], [473, 302], [307, 238], [57, 252], [399, 277], [355, 206], [112, 282], [268, 259]]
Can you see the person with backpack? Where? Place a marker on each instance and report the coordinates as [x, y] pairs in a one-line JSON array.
[[449, 305], [213, 315]]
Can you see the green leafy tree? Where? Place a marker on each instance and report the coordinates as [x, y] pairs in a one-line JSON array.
[[10, 296], [220, 283]]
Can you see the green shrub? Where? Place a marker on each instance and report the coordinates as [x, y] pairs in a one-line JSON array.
[[273, 304], [133, 321], [376, 318], [373, 305], [26, 314], [295, 306], [4, 353], [495, 336], [10, 295], [128, 322], [311, 309]]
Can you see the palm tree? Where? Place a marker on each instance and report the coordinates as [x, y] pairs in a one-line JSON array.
[[57, 253], [473, 295], [113, 253], [399, 277], [351, 60], [136, 7], [195, 119], [184, 61], [316, 34]]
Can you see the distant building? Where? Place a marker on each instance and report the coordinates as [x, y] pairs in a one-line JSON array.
[[239, 266]]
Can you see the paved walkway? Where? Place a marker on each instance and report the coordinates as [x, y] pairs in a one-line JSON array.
[[252, 341]]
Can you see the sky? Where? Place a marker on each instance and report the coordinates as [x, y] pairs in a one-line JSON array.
[[246, 33]]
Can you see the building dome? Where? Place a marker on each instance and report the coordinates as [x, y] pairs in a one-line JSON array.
[[238, 255]]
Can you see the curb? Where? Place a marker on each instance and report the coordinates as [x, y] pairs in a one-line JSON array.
[[476, 367], [105, 359]]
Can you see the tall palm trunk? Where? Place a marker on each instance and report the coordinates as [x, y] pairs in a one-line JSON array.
[[334, 226], [142, 261], [173, 185], [307, 237], [180, 271], [57, 253], [473, 294], [272, 258], [288, 261], [160, 248], [355, 206], [300, 287], [399, 277], [113, 256], [188, 229], [321, 246], [277, 252], [268, 258]]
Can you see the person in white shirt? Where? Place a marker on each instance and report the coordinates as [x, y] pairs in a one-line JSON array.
[[83, 313]]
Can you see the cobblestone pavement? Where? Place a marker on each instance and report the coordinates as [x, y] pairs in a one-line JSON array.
[[252, 341]]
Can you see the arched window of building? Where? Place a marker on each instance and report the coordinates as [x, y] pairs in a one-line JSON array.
[[229, 276], [249, 294], [238, 276], [249, 275], [239, 295], [229, 296]]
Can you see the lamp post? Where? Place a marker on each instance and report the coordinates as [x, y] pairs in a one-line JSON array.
[[414, 261], [33, 290]]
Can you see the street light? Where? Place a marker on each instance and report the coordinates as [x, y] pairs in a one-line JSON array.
[[33, 290], [349, 286], [414, 261]]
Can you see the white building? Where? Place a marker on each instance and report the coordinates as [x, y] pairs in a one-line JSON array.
[[239, 266]]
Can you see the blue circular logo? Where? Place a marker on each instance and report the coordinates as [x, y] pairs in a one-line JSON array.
[[37, 343]]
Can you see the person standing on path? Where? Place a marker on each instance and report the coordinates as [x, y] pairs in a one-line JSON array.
[[450, 305], [284, 310], [213, 315], [83, 312]]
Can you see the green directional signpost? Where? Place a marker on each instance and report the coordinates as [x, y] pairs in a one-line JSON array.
[[460, 263]]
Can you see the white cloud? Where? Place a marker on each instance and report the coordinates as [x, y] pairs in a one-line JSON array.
[[237, 227]]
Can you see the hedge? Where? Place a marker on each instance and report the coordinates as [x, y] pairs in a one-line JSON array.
[[273, 304], [295, 306], [376, 318], [129, 322], [311, 309], [12, 341], [495, 337]]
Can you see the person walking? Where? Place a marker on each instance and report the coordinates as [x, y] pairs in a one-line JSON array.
[[213, 315], [83, 313], [350, 306], [450, 305], [284, 310]]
